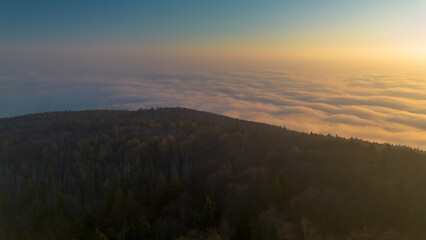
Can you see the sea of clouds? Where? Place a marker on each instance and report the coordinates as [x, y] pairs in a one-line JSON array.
[[378, 103]]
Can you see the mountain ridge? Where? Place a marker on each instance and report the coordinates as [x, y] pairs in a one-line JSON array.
[[200, 112]]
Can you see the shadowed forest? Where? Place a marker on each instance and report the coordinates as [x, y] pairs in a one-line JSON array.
[[175, 173]]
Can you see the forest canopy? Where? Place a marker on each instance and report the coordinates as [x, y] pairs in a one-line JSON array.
[[175, 173]]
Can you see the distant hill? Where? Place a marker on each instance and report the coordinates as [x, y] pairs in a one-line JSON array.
[[178, 173]]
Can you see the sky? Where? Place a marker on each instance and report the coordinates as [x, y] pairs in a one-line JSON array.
[[256, 29], [348, 68]]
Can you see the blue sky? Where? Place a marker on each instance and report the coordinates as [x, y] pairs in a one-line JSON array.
[[173, 24]]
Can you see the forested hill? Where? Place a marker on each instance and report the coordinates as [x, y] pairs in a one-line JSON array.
[[179, 173]]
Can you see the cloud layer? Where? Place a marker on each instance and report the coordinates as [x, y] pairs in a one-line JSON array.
[[385, 104]]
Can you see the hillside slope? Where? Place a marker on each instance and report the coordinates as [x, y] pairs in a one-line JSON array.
[[179, 173]]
